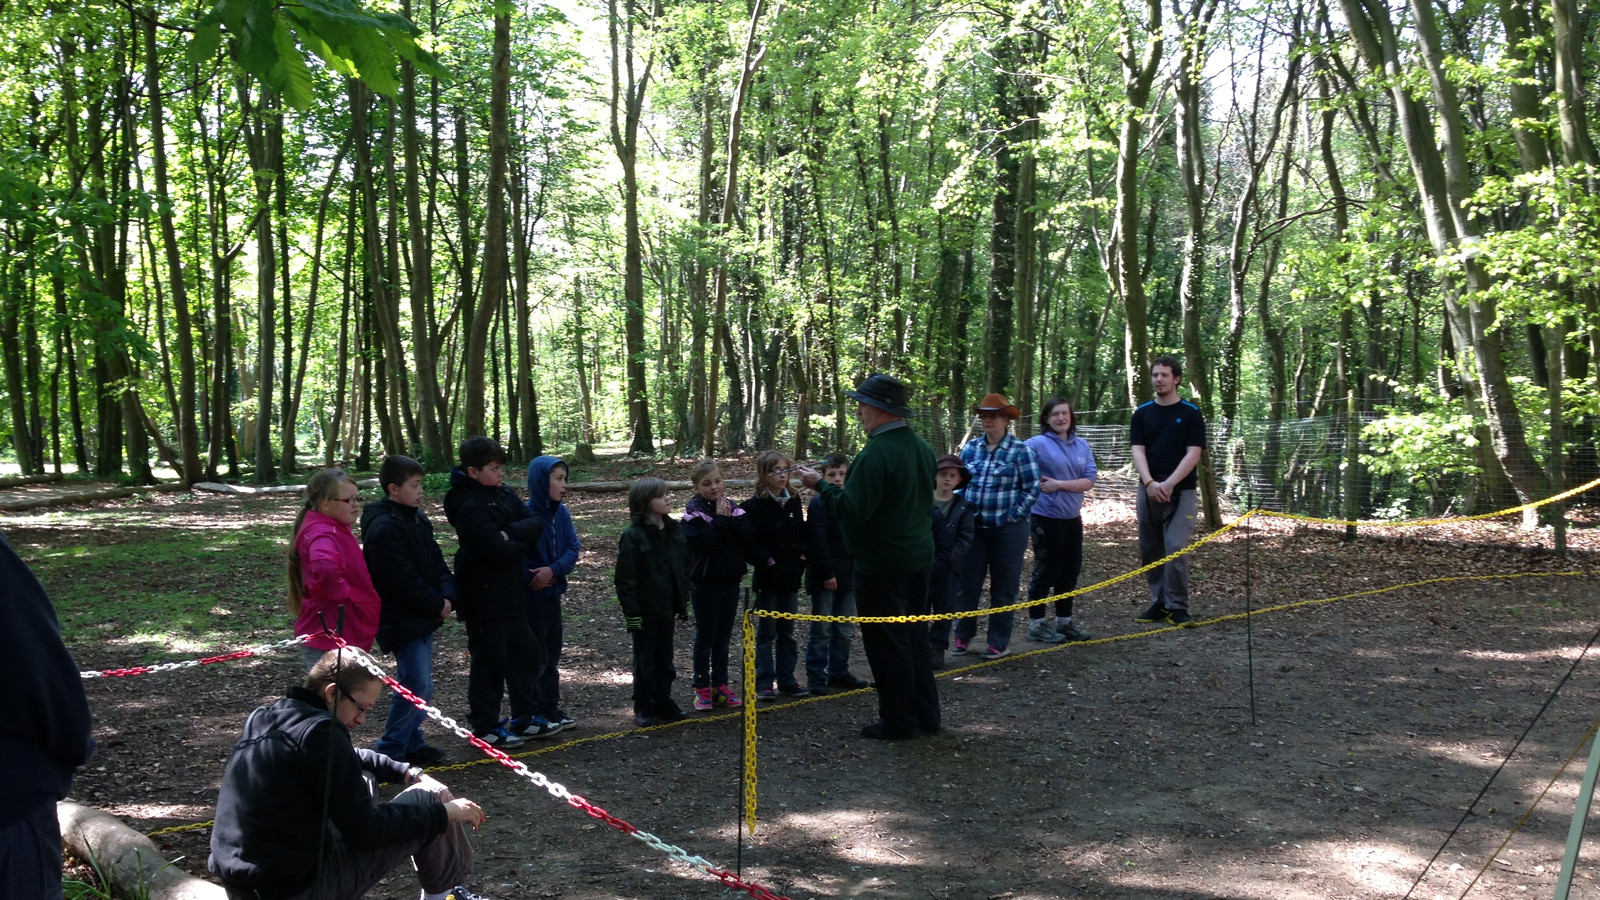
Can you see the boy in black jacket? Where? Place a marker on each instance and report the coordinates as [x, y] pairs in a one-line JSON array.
[[416, 588], [953, 527], [652, 581], [496, 532], [831, 582]]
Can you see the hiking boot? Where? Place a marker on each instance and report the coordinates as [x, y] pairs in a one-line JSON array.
[[424, 756], [996, 652], [670, 711], [1071, 632], [499, 738], [645, 720], [725, 696], [1156, 613], [1040, 632], [848, 682], [702, 699], [533, 727], [1180, 617]]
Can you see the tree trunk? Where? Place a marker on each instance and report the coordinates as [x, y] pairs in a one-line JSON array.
[[494, 249], [1138, 77]]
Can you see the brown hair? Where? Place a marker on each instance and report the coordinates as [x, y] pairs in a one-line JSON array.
[[1048, 408], [640, 493], [701, 469], [338, 666], [765, 464], [322, 486]]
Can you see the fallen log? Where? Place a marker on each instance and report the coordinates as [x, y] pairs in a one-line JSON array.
[[127, 860], [617, 487], [217, 487], [74, 499]]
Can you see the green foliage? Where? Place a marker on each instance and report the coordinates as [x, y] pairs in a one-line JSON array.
[[269, 36], [1429, 439]]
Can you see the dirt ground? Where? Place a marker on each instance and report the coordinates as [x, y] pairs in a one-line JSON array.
[[1322, 751]]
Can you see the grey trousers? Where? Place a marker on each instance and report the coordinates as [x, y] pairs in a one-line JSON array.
[[1166, 528], [442, 861]]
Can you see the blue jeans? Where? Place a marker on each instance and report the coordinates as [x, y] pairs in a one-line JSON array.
[[996, 551], [828, 649], [779, 632], [413, 667]]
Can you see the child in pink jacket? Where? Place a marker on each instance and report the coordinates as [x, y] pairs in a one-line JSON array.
[[327, 570]]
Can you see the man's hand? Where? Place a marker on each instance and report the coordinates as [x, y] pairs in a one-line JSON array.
[[808, 476], [832, 584], [463, 810], [1159, 491], [445, 613], [542, 577]]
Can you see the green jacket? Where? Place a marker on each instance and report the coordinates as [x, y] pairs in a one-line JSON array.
[[652, 574], [885, 508]]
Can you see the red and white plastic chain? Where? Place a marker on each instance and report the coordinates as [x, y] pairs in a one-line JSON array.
[[560, 792], [191, 663]]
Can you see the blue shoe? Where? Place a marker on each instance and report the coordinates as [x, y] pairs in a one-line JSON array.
[[533, 727]]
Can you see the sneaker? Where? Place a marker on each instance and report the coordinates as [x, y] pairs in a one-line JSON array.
[[725, 696], [563, 719], [1040, 632], [816, 689], [793, 690], [958, 646], [848, 682], [1179, 617], [996, 652], [702, 699], [533, 727], [766, 693], [424, 756], [499, 738], [1071, 632], [461, 893], [937, 653], [1156, 613]]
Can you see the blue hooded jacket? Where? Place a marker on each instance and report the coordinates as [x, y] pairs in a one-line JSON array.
[[558, 546]]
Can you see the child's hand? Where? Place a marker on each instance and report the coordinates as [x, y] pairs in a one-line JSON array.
[[445, 613], [724, 506], [634, 623], [832, 584], [542, 577]]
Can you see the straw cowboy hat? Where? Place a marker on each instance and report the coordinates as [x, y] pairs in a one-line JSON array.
[[998, 403], [885, 392]]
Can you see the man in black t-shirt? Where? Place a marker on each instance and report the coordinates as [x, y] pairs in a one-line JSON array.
[[1167, 436]]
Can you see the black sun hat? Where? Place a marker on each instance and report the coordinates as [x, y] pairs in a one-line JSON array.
[[885, 392]]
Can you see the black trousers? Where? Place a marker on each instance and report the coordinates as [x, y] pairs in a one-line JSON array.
[[505, 658], [1057, 562], [908, 699], [544, 618], [653, 672]]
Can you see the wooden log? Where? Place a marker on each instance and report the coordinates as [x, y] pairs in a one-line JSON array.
[[618, 487], [126, 859], [76, 498], [20, 480], [217, 487]]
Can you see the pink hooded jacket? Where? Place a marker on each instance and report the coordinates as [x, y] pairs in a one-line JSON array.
[[334, 572]]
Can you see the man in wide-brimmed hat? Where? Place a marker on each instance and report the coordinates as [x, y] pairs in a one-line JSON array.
[[1004, 488], [885, 511]]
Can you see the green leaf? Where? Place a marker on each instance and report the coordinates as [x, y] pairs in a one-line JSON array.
[[291, 76], [258, 47], [207, 38]]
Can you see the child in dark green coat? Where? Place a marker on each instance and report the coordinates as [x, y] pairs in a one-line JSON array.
[[652, 580]]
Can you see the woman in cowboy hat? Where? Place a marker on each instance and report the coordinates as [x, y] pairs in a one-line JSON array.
[[1004, 488]]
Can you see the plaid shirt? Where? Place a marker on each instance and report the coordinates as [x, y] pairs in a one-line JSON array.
[[1005, 480]]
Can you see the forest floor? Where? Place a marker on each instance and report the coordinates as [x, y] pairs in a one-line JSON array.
[[1319, 751]]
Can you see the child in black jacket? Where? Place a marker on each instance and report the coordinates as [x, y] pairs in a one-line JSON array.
[[495, 532], [777, 526], [953, 526], [831, 582], [718, 534], [652, 580], [416, 590]]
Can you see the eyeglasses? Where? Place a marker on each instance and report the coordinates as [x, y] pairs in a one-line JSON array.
[[360, 710], [353, 501]]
